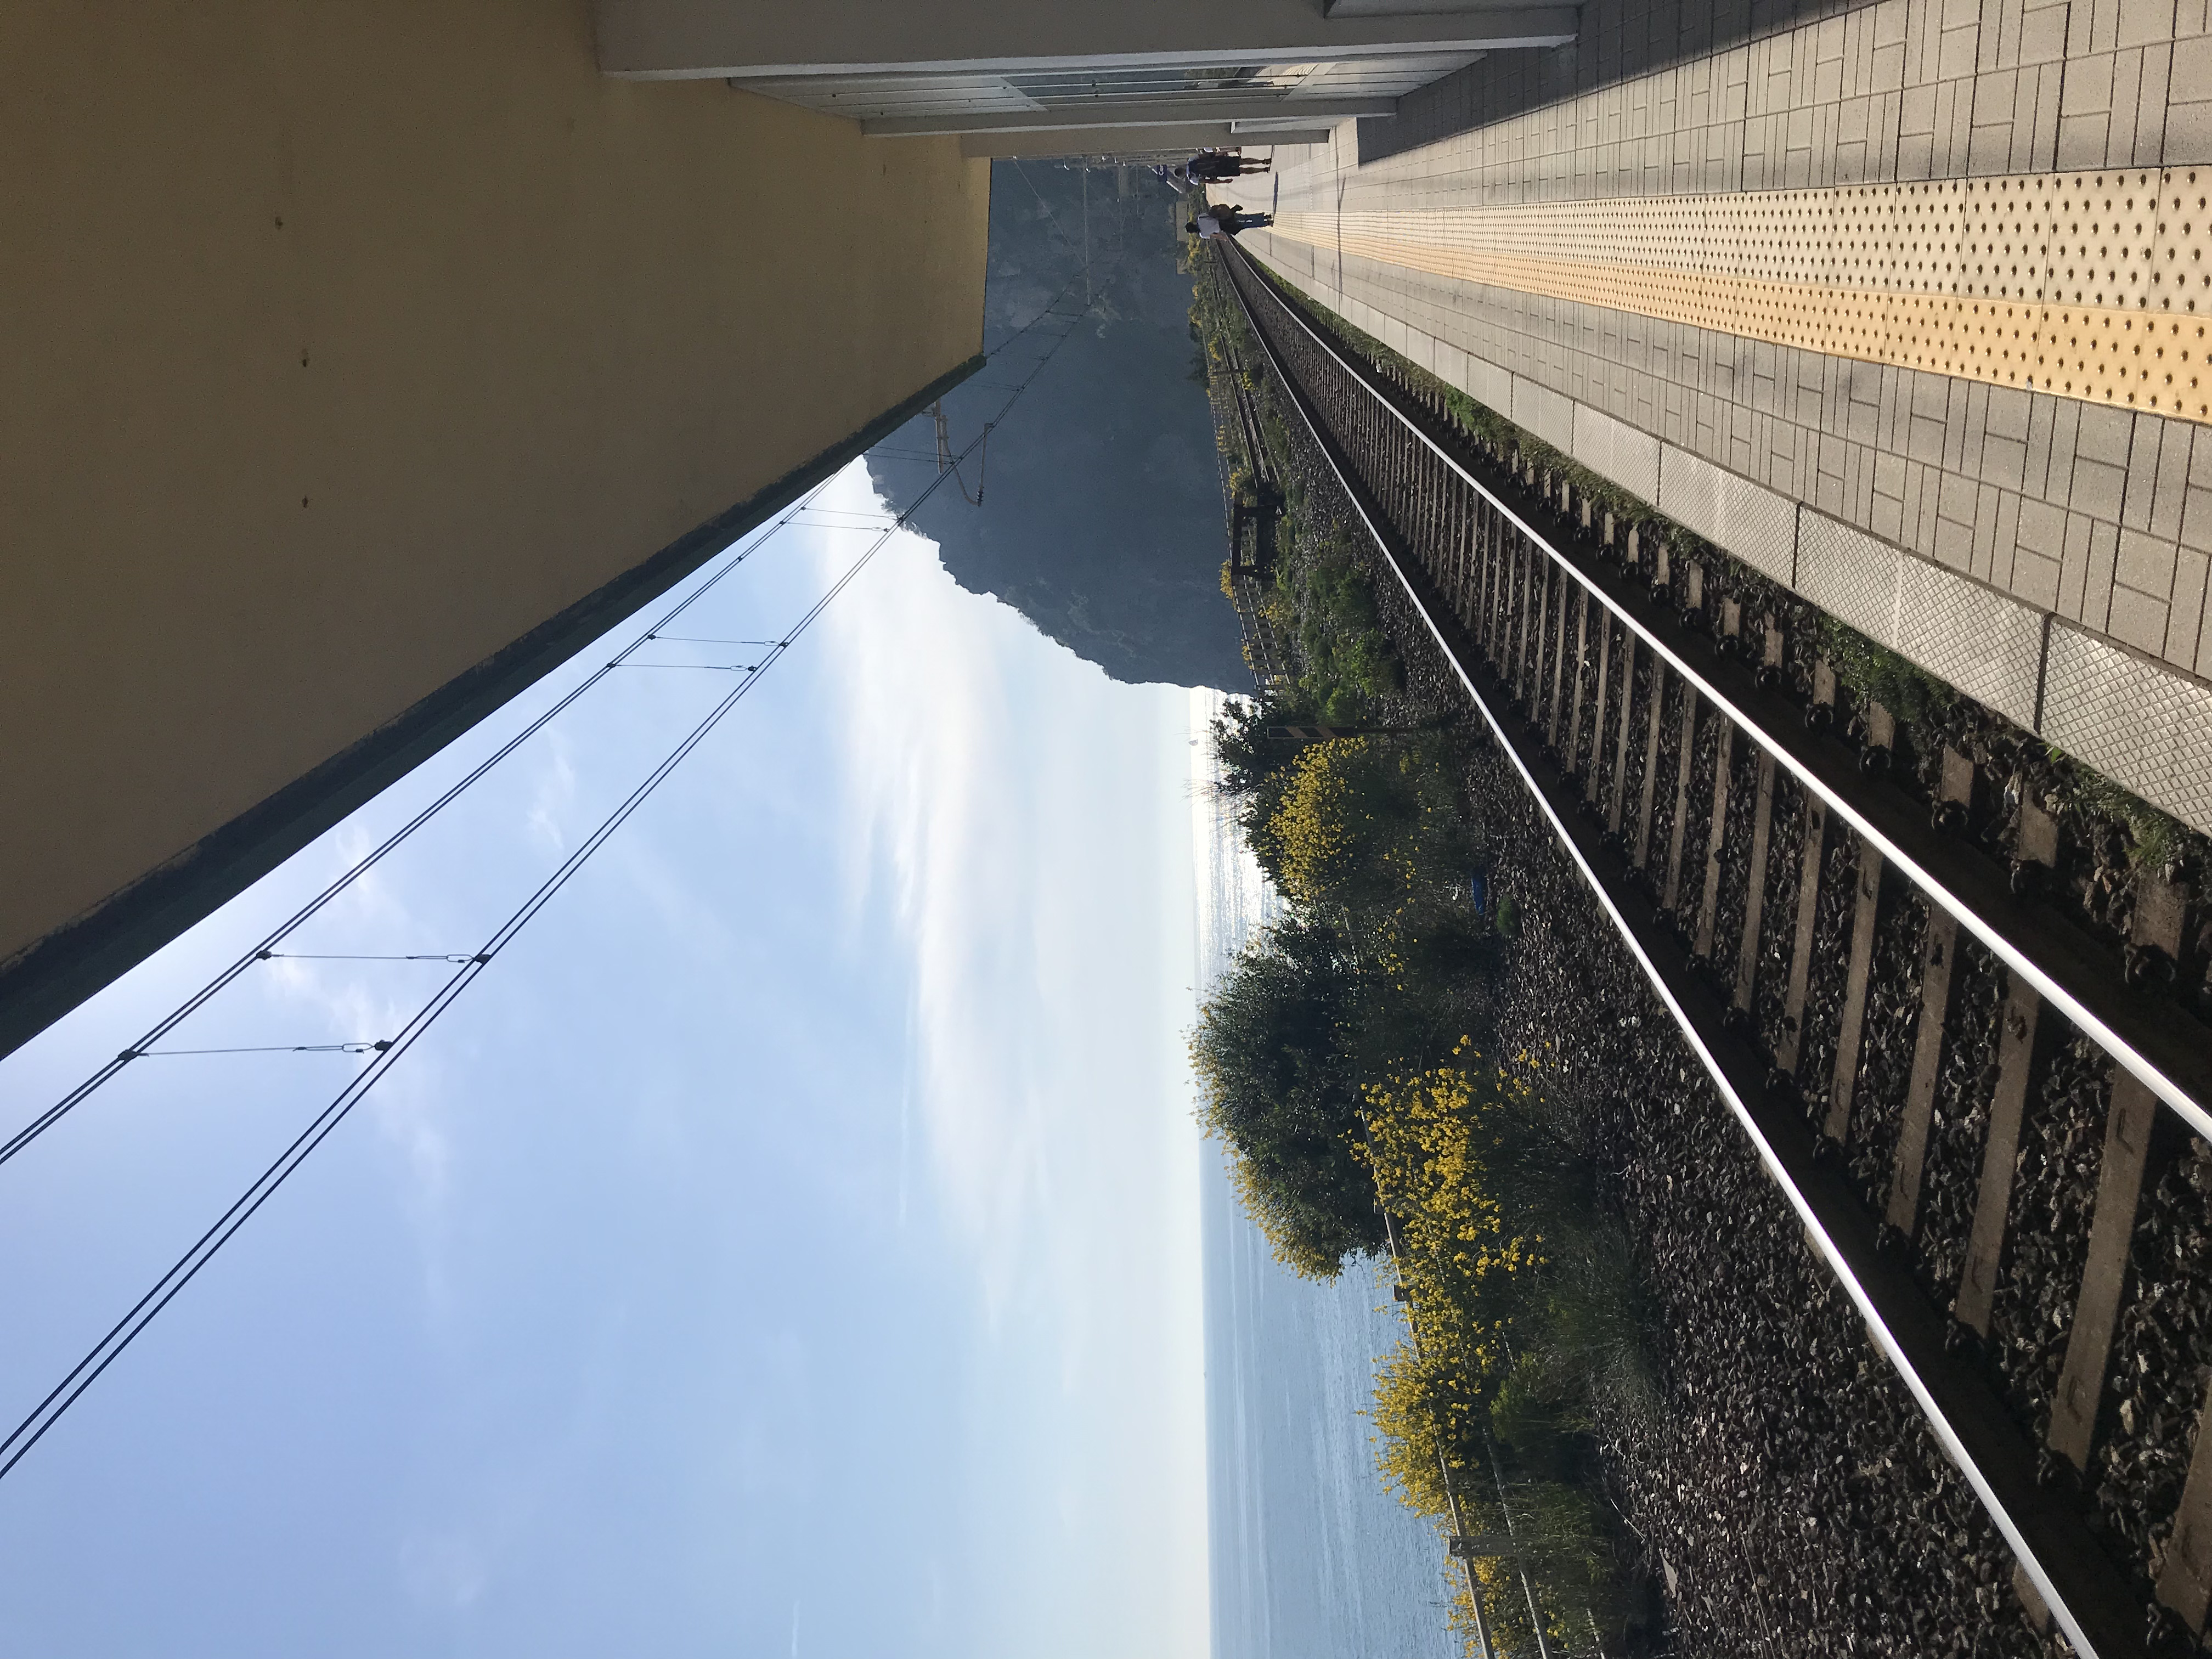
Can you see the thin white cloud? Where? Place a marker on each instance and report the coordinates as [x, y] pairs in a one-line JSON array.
[[1026, 821]]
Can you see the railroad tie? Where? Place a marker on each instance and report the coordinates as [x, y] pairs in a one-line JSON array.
[[1657, 698], [1496, 555], [1477, 577], [1823, 689], [1484, 555], [1455, 544], [1472, 565], [1620, 749], [1413, 518], [1844, 1079], [1463, 557], [1709, 903], [1540, 603], [1939, 953], [1395, 462], [2017, 1051], [1502, 628], [1939, 958], [1417, 529], [1685, 752], [1754, 905], [1569, 764], [1558, 664], [1526, 580], [1597, 708], [1570, 761], [2127, 1126], [2184, 1582], [1432, 510], [1814, 856]]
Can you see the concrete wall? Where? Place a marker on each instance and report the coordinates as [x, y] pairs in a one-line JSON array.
[[680, 37], [347, 343]]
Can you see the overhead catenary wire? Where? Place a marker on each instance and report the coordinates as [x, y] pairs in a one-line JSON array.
[[365, 1045], [362, 956], [387, 1052]]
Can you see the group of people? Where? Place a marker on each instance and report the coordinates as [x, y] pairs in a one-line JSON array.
[[1216, 167], [1210, 167], [1216, 220]]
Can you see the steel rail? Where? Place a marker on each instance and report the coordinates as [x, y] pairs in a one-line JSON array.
[[2167, 1061], [2084, 1593]]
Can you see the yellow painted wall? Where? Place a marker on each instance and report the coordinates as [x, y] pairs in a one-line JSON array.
[[342, 343]]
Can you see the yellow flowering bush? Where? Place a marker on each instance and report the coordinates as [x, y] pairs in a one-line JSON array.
[[1322, 824], [1436, 1143]]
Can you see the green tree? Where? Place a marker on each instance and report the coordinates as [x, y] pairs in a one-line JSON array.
[[1274, 1052]]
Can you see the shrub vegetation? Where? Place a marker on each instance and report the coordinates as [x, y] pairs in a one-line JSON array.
[[1341, 1065]]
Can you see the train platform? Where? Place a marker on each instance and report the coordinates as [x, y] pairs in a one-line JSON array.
[[1903, 304]]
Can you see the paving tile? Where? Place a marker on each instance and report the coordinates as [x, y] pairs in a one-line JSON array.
[[2074, 555], [2169, 458], [2137, 619], [1981, 562], [2142, 22], [2005, 539], [2103, 434], [2097, 578], [2196, 512], [2038, 550], [1963, 425], [2085, 114], [1956, 502], [2043, 34], [1990, 146], [2192, 66], [1923, 425], [2150, 106], [1916, 111], [2205, 641], [1999, 45], [2186, 618], [2092, 25], [2141, 471], [2127, 90], [2035, 579], [1955, 57], [1887, 515], [2145, 564]]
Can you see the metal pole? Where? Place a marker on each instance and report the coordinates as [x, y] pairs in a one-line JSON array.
[[1535, 1617], [1473, 1589], [1443, 1467]]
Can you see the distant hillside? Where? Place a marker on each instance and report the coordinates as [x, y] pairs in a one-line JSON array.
[[1101, 518]]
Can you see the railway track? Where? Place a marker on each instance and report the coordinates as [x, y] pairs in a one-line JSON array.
[[1889, 1012], [1251, 524]]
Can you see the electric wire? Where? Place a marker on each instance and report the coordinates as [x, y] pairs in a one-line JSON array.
[[386, 1053], [365, 1045], [359, 956]]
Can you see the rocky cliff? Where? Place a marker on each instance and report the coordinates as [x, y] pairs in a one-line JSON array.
[[1101, 518]]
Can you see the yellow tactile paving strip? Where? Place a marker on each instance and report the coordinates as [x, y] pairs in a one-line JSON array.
[[2090, 285]]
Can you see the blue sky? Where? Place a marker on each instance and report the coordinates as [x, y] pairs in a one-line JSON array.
[[789, 1246]]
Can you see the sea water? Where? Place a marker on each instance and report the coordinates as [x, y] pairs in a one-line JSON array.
[[1312, 1557]]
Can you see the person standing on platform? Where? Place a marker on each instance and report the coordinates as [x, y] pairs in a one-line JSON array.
[[1215, 167], [1227, 222]]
